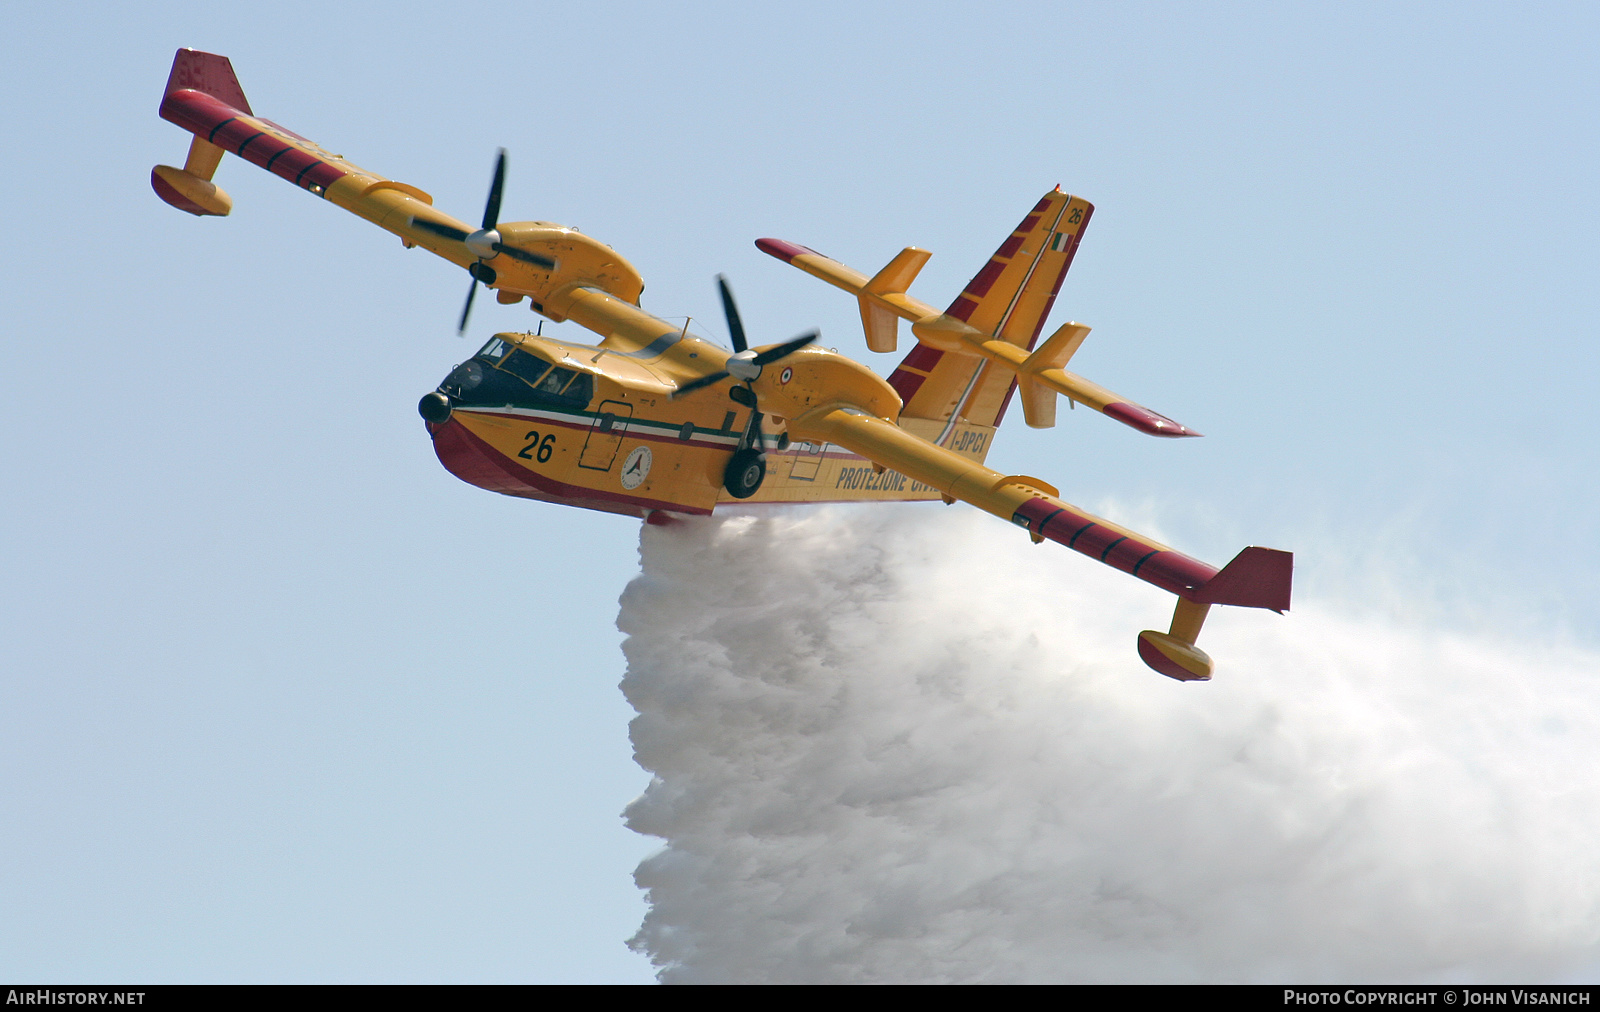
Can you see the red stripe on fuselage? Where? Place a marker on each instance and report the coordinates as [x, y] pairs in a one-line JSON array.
[[475, 462], [625, 429]]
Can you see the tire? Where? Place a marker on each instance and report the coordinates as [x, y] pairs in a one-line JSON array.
[[746, 470]]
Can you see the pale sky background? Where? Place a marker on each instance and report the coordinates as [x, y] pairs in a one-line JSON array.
[[282, 700]]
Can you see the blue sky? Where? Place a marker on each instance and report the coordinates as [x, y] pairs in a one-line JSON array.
[[286, 701]]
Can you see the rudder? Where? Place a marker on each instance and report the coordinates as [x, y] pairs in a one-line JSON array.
[[1009, 298]]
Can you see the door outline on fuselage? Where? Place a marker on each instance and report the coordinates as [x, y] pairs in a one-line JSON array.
[[807, 461], [605, 435]]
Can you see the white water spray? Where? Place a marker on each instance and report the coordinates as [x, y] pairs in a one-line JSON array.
[[901, 744]]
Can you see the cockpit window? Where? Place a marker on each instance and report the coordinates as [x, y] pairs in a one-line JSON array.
[[555, 381], [580, 390], [505, 375], [550, 382], [525, 366]]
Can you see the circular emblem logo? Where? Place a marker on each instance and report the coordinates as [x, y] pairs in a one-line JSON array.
[[636, 468], [786, 375]]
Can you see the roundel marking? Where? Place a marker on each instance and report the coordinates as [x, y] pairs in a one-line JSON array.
[[786, 375], [636, 468]]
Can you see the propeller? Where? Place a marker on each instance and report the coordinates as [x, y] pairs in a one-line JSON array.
[[748, 465], [746, 365], [743, 365], [485, 243], [731, 311]]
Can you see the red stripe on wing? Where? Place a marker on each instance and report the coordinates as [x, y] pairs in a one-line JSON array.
[[783, 249], [244, 135], [1172, 571]]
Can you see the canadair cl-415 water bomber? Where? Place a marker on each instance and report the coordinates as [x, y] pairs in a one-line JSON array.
[[655, 422]]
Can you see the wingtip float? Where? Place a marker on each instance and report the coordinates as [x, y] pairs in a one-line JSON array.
[[655, 421]]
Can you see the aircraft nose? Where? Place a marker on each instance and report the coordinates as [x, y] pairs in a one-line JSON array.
[[465, 376], [434, 407]]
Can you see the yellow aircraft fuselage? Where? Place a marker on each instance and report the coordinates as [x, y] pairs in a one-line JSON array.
[[596, 426]]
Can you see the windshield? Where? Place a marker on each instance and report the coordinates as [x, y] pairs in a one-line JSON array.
[[503, 374]]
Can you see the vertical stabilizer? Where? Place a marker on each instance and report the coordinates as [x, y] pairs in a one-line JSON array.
[[1008, 299]]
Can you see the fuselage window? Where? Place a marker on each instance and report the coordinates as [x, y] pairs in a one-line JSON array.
[[495, 350]]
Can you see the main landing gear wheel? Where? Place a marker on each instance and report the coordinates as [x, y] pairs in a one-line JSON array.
[[745, 472]]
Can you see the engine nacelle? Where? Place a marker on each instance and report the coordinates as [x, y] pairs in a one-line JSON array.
[[811, 377], [581, 261]]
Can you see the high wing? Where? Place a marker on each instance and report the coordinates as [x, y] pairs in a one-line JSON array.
[[539, 260], [1256, 578], [203, 96]]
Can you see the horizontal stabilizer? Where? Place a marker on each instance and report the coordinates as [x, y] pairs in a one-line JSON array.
[[1256, 578], [905, 265], [879, 315], [1038, 400]]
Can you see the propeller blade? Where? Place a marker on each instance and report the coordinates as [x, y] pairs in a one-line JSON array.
[[693, 385], [731, 311], [437, 228], [466, 310], [525, 256], [788, 348], [491, 212]]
